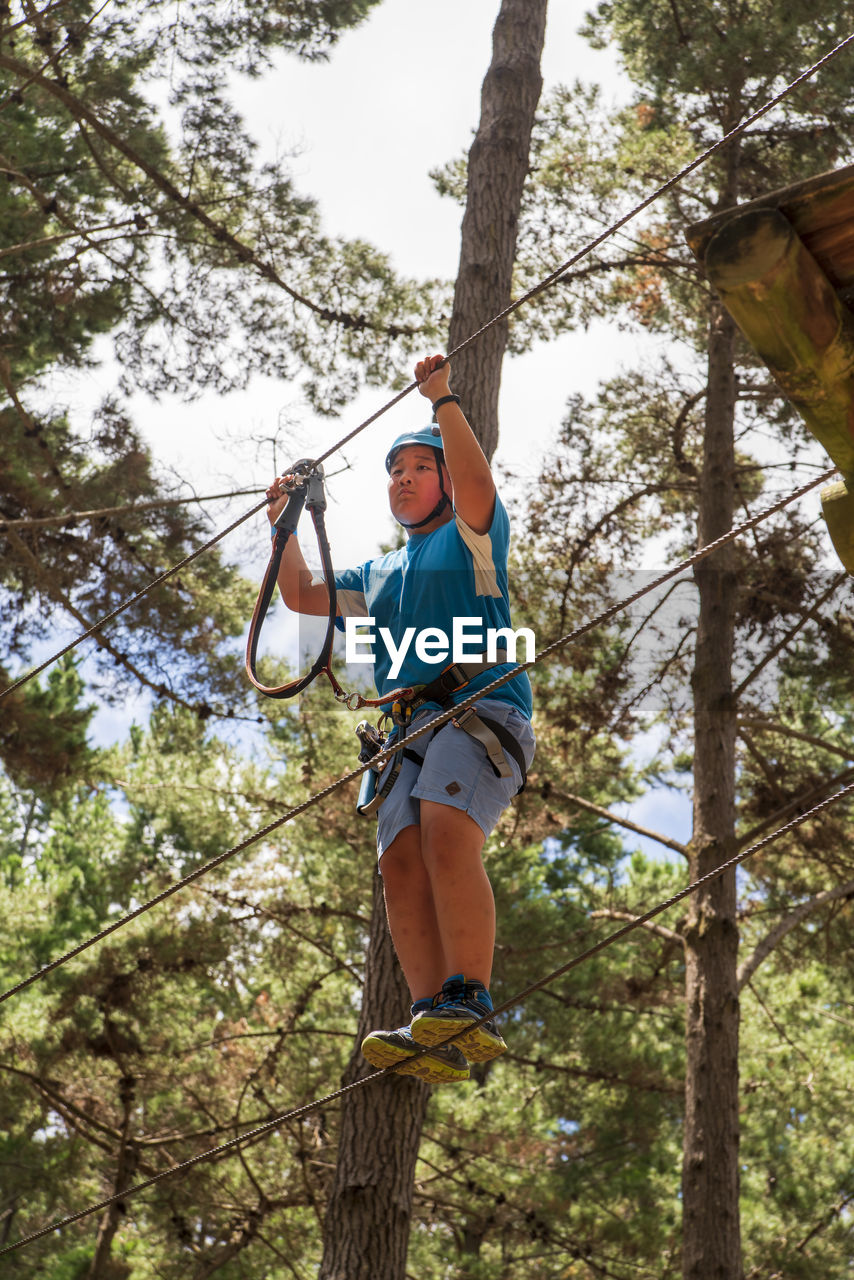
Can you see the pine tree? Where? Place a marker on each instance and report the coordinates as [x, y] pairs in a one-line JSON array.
[[687, 440]]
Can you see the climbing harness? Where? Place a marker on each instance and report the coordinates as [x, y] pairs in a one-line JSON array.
[[306, 491], [571, 637], [368, 735], [496, 740]]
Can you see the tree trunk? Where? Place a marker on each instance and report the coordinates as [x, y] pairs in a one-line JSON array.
[[497, 168], [367, 1224], [366, 1231], [710, 1177], [103, 1266]]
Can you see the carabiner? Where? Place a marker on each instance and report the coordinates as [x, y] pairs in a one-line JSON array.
[[352, 701]]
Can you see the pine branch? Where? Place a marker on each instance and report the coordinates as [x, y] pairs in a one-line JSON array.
[[799, 804], [677, 436], [550, 792], [789, 922], [659, 930], [241, 251], [599, 1077], [56, 594], [60, 236], [787, 638], [771, 726], [125, 1164], [835, 1211], [104, 513]]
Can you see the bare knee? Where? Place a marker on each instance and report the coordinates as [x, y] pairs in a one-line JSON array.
[[402, 861], [449, 836]]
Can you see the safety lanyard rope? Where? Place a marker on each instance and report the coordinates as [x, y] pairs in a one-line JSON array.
[[553, 278], [277, 1122], [306, 491]]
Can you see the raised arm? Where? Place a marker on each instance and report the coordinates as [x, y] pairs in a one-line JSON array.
[[295, 578], [474, 487]]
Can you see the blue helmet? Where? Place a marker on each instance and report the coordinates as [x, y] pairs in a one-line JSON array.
[[425, 435]]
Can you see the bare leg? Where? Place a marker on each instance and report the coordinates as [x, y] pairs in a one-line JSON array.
[[411, 915], [440, 906], [463, 902]]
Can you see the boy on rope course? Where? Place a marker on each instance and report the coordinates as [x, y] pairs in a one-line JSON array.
[[438, 801]]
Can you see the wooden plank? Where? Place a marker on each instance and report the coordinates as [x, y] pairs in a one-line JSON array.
[[821, 211], [791, 315], [837, 507], [797, 322]]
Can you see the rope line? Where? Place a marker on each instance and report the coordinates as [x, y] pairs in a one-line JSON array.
[[544, 284], [128, 508], [442, 718], [602, 944], [269, 1126]]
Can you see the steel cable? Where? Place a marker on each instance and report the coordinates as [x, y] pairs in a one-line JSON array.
[[599, 620], [610, 231]]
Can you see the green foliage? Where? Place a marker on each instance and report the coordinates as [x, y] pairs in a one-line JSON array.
[[119, 216], [797, 1066], [223, 1007], [694, 75], [43, 732], [237, 999], [175, 640], [133, 204]]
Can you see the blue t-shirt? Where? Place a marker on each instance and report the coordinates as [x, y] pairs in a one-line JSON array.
[[417, 592]]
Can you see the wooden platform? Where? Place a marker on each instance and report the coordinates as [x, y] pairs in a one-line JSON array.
[[821, 213], [783, 266]]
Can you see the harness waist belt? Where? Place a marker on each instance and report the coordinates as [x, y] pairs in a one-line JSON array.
[[493, 736]]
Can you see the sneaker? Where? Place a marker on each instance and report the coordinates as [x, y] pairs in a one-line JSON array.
[[443, 1065], [458, 1005]]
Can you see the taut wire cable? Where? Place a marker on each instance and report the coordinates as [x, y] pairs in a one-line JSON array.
[[269, 1126], [544, 284], [574, 635], [128, 508], [602, 944]]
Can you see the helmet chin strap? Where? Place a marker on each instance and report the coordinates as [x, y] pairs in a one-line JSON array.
[[443, 502]]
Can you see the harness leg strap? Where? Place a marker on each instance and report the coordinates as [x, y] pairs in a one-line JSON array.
[[496, 741]]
